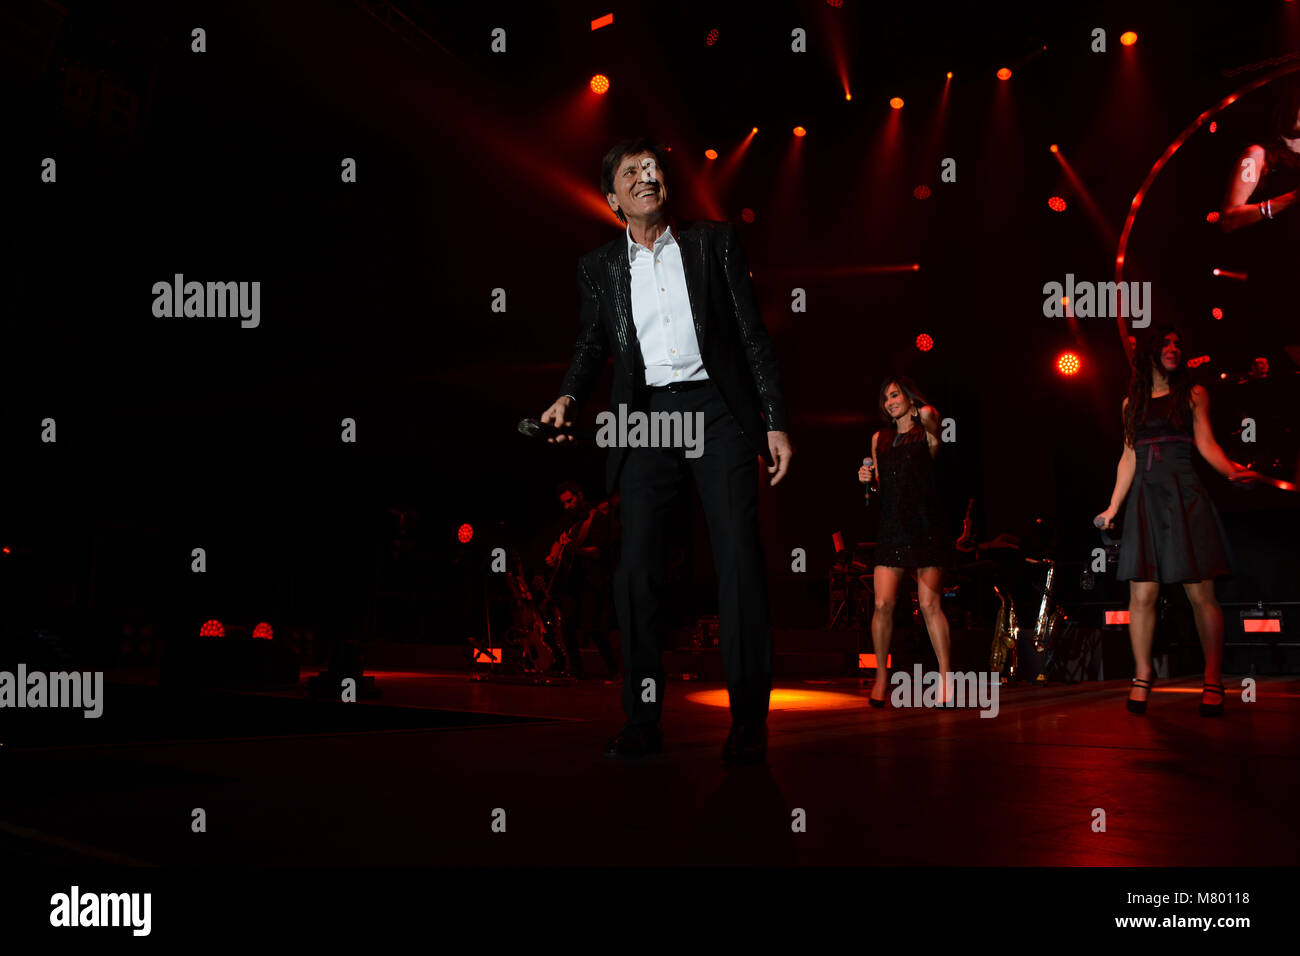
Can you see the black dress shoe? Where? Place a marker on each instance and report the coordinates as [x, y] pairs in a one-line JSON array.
[[746, 744], [636, 740]]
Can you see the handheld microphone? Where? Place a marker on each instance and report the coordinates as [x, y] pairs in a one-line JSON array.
[[871, 486], [533, 428]]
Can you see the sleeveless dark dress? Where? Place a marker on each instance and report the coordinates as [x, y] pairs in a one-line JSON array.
[[1172, 531], [912, 526]]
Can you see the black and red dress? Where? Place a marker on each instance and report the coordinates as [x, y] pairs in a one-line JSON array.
[[913, 532], [1172, 531]]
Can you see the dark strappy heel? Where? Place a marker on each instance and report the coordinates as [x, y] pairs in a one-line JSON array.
[[1140, 706], [1212, 710]]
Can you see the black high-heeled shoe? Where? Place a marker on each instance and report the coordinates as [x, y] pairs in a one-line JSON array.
[[1140, 706], [1212, 710]]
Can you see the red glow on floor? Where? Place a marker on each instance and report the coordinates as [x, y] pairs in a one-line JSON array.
[[786, 698]]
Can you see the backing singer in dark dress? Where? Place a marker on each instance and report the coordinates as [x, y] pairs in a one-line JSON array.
[[912, 532], [675, 306], [1172, 532]]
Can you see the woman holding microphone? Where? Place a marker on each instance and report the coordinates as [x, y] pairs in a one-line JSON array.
[[1172, 532], [912, 533]]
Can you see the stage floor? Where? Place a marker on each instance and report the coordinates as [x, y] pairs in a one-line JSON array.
[[877, 787]]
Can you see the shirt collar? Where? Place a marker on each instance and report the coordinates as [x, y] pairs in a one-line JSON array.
[[664, 239]]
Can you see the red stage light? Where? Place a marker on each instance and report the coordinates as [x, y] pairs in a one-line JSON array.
[[753, 131], [712, 38], [6, 549], [924, 342], [599, 83], [950, 74], [747, 214], [921, 192], [800, 131], [848, 95], [465, 533], [1214, 126], [1262, 626], [1128, 38], [212, 628], [604, 21], [1198, 361], [711, 153], [1212, 216], [896, 102], [1117, 617], [1216, 312], [1056, 204], [1067, 363], [1054, 148], [263, 632], [836, 3], [1004, 74]]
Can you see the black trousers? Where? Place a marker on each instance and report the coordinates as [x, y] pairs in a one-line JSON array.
[[651, 484]]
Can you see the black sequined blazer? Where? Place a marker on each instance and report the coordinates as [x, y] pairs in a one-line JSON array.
[[734, 346]]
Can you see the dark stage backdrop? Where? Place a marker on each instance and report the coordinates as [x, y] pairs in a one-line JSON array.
[[476, 171]]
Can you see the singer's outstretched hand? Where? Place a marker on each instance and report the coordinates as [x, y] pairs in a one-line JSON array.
[[778, 443], [557, 415], [865, 473]]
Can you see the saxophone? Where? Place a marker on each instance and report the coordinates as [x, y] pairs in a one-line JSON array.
[[1006, 637], [1050, 623]]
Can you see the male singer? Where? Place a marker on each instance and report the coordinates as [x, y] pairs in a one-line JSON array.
[[675, 305]]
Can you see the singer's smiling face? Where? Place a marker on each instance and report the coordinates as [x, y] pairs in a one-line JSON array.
[[639, 187], [1171, 354], [897, 404]]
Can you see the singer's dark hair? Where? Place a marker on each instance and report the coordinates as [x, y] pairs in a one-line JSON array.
[[570, 486], [909, 389], [1145, 359], [1281, 125]]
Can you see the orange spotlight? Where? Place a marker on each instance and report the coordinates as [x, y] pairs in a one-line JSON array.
[[896, 102], [1054, 148], [800, 131], [753, 131], [950, 74], [1004, 74], [1067, 364], [1056, 204], [848, 95], [1128, 38], [711, 153], [599, 84]]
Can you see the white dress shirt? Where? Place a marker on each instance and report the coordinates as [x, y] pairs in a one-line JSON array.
[[661, 310]]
